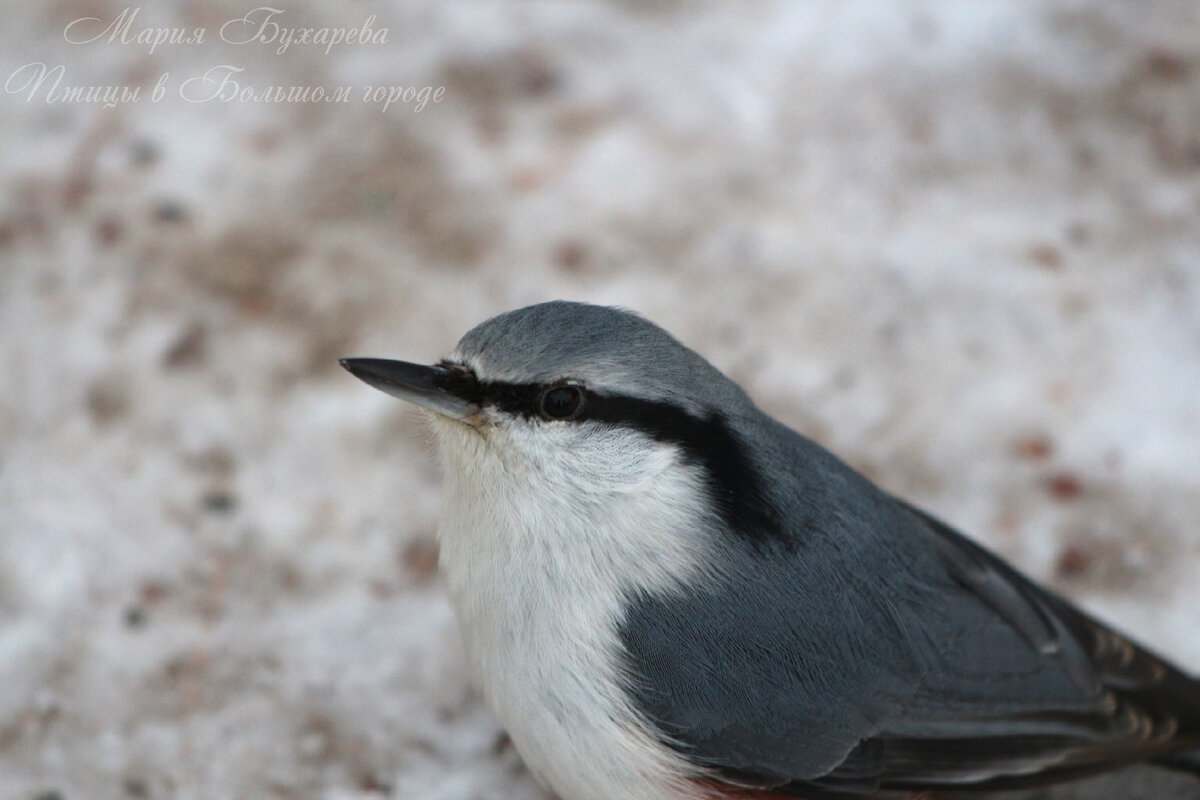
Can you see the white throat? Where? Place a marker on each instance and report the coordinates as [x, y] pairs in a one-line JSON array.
[[547, 528]]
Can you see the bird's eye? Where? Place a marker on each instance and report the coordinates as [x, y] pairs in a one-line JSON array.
[[561, 402]]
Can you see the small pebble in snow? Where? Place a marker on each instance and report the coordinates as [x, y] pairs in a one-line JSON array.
[[1073, 562], [1063, 486], [1034, 447]]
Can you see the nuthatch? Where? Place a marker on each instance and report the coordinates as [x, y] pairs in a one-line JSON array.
[[669, 595]]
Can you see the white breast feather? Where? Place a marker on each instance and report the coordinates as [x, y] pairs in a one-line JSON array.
[[540, 545]]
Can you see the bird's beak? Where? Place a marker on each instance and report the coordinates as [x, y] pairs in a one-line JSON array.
[[416, 383]]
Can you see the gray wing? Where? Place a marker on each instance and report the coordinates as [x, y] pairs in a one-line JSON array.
[[884, 651]]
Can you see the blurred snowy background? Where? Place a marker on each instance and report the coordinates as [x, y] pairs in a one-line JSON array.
[[957, 242]]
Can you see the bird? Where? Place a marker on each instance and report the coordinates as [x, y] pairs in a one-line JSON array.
[[667, 594]]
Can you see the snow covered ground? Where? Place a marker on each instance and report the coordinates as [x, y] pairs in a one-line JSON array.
[[956, 242]]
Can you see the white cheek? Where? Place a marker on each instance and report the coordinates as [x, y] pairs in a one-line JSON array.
[[547, 528]]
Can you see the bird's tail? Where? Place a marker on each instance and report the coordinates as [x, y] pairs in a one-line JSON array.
[[1188, 761]]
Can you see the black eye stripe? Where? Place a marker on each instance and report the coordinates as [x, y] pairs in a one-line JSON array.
[[708, 442], [512, 398], [734, 483]]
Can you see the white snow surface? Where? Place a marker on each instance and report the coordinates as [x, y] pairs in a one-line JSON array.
[[956, 242]]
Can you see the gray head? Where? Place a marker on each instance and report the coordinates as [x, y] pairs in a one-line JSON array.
[[587, 389], [607, 351]]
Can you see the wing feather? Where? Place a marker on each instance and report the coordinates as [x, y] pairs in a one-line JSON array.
[[937, 666]]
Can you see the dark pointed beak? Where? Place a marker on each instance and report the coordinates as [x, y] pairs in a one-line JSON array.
[[416, 383]]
